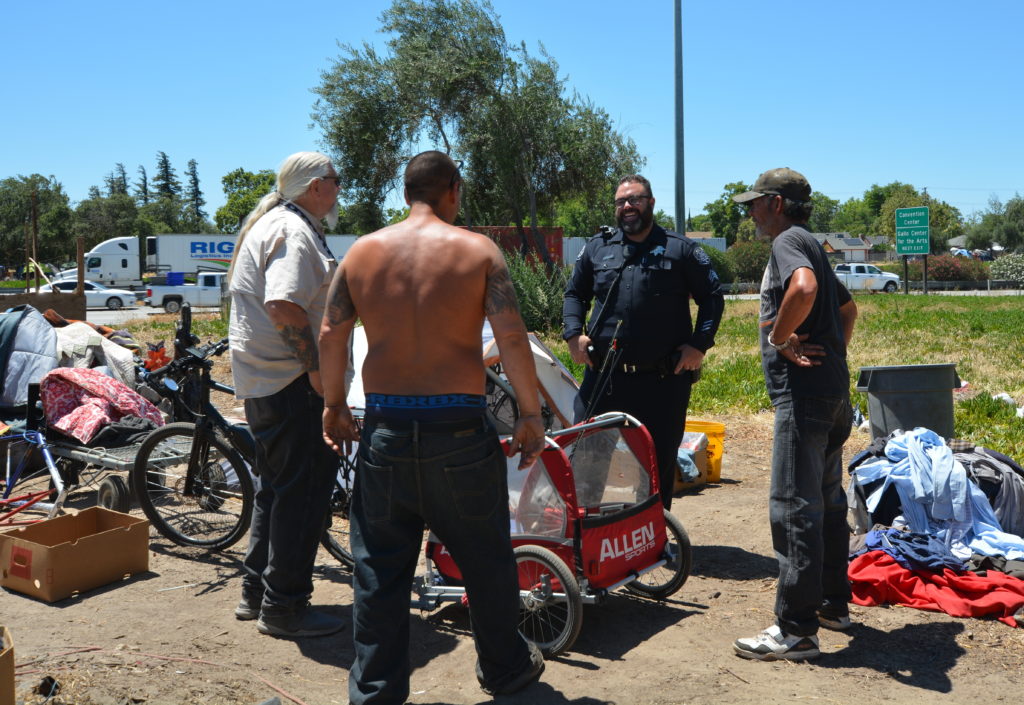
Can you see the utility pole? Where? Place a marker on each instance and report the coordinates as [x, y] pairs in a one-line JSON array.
[[680, 179]]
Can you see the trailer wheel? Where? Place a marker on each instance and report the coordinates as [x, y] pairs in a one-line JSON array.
[[550, 604], [172, 305], [113, 494], [678, 554]]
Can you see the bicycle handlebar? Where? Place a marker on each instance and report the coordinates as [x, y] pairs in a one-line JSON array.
[[193, 355]]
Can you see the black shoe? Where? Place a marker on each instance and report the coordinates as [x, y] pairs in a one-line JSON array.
[[248, 608], [299, 623], [835, 621], [516, 683]]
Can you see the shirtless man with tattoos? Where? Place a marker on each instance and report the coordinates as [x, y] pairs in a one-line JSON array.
[[427, 455], [278, 283]]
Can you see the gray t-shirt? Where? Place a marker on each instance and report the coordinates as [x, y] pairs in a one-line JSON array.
[[791, 250], [281, 259]]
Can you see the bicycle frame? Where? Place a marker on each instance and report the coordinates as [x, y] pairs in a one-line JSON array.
[[10, 506]]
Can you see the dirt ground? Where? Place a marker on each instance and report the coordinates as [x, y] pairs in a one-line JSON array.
[[169, 636]]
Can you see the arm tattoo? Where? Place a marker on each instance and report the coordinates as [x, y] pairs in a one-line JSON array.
[[501, 295], [301, 342], [339, 302]]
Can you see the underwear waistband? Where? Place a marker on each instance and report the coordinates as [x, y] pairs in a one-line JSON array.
[[425, 407]]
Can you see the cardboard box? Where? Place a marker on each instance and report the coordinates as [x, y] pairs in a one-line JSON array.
[[6, 667], [56, 558], [697, 445]]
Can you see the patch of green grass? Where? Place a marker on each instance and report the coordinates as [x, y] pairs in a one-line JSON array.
[[153, 329], [991, 423], [982, 335]]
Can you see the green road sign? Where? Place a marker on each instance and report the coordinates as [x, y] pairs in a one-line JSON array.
[[912, 231]]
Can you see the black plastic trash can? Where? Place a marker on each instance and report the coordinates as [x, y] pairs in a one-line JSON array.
[[907, 396]]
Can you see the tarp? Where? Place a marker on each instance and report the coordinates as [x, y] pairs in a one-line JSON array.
[[30, 353]]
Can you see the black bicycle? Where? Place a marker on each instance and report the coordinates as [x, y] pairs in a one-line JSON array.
[[192, 478]]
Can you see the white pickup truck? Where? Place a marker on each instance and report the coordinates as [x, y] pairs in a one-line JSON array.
[[205, 292], [866, 276]]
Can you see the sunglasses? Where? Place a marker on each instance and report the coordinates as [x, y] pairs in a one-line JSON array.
[[456, 175]]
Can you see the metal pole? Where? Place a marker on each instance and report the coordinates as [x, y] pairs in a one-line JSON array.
[[680, 181]]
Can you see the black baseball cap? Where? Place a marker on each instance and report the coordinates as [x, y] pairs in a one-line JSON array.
[[778, 182]]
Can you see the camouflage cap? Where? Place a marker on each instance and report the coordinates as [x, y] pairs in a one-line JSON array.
[[778, 182]]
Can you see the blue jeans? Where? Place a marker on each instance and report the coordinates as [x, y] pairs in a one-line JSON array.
[[296, 473], [808, 510], [455, 483]]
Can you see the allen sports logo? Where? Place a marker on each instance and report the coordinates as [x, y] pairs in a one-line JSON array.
[[628, 545]]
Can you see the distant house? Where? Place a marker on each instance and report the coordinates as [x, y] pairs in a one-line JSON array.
[[844, 246], [707, 237]]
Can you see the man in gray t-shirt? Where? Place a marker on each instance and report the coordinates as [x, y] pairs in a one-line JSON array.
[[806, 322]]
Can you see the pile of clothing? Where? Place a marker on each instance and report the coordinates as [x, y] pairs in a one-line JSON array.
[[86, 374], [938, 527]]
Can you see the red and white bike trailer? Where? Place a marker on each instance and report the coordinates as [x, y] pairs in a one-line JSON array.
[[587, 519]]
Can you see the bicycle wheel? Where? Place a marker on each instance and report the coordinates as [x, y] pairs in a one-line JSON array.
[[550, 607], [667, 579], [336, 536], [196, 490]]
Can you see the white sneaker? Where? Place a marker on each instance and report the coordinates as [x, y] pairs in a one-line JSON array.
[[772, 645]]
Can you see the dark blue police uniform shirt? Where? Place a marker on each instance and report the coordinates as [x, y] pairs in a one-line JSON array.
[[656, 279]]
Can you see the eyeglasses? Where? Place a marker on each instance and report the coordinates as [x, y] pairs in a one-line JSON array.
[[631, 200], [335, 179]]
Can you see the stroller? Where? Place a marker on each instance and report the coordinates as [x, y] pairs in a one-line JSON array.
[[587, 519]]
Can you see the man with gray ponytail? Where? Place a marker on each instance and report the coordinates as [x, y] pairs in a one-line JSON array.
[[278, 283]]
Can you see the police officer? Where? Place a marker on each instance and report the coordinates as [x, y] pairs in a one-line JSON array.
[[641, 348]]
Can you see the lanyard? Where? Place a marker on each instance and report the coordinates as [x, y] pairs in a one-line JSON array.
[[323, 240]]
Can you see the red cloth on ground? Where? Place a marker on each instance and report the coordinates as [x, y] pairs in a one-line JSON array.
[[876, 578]]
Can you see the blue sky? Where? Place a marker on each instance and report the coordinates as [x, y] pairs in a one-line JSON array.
[[850, 94]]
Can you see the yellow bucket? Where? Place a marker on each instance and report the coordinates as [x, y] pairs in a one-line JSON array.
[[716, 444]]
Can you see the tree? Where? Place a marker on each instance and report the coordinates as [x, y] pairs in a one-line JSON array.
[[877, 195], [1010, 233], [193, 217], [725, 214], [165, 182], [532, 154], [53, 217], [243, 190], [117, 181], [748, 259], [747, 231], [142, 189], [664, 220], [98, 219], [823, 216], [982, 231], [853, 216], [698, 223]]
